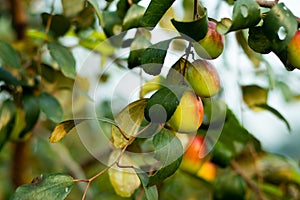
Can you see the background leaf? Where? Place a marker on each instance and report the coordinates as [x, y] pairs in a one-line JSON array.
[[154, 12], [276, 113], [168, 151], [8, 55], [133, 16], [110, 22], [59, 24], [7, 114], [72, 8], [51, 107], [53, 186], [9, 79], [95, 4], [254, 95], [64, 58], [32, 112]]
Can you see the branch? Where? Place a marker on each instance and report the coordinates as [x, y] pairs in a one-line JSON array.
[[270, 4], [267, 4], [18, 18], [248, 180]]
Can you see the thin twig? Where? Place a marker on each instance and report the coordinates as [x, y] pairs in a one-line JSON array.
[[196, 13], [188, 51], [270, 4], [248, 180], [267, 4]]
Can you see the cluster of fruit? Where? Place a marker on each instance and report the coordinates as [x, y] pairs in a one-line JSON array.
[[188, 83]]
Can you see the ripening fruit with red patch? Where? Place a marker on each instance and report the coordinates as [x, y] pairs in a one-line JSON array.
[[204, 78], [212, 45], [193, 162], [188, 115], [294, 50]]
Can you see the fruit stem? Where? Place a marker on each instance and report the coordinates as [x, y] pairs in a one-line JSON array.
[[188, 52]]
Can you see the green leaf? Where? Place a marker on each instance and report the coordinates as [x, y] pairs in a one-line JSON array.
[[276, 113], [8, 55], [154, 12], [279, 26], [85, 19], [64, 59], [128, 123], [59, 24], [32, 112], [246, 14], [9, 79], [153, 57], [133, 16], [111, 23], [53, 186], [258, 41], [7, 114], [168, 151], [196, 29], [51, 107], [162, 104], [137, 48], [151, 192]]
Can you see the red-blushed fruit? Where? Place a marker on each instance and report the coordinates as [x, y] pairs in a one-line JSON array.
[[208, 171], [212, 45], [193, 162], [294, 50], [188, 115], [203, 78]]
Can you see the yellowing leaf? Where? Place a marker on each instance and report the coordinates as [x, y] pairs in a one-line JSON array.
[[62, 129], [124, 180], [254, 95], [128, 122], [153, 84]]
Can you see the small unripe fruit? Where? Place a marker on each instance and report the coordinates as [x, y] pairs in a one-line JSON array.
[[212, 45], [188, 115], [203, 78], [294, 50]]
